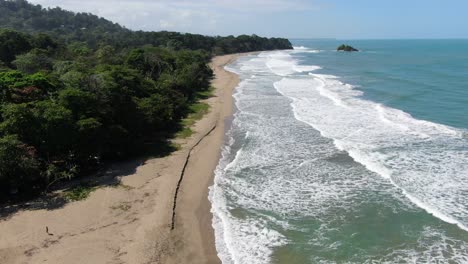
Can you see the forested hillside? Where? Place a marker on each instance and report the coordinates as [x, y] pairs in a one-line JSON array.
[[77, 90], [68, 26]]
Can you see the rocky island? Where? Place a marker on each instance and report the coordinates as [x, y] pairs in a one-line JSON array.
[[346, 48]]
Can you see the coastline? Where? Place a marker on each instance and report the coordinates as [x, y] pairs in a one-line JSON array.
[[131, 222], [193, 220]]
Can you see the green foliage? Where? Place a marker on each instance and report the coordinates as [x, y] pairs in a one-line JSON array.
[[186, 132], [54, 173], [77, 90], [97, 32], [197, 111], [156, 110], [12, 43], [106, 55], [79, 49], [55, 129], [205, 94], [19, 168], [33, 61], [78, 193], [19, 120], [16, 87], [81, 103], [44, 42]]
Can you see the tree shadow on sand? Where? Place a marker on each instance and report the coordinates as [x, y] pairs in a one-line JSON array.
[[109, 175]]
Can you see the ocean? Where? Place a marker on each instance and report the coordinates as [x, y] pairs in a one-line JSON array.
[[337, 157]]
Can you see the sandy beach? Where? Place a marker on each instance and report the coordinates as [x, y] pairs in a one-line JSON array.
[[131, 222]]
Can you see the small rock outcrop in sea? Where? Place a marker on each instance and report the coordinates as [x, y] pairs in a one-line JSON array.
[[346, 48]]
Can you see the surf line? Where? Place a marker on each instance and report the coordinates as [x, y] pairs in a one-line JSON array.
[[182, 174]]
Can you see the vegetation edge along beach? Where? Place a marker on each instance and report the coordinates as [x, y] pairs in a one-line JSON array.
[[83, 96], [130, 220], [78, 90]]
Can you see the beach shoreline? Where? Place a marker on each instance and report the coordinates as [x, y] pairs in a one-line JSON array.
[[193, 197], [131, 222]]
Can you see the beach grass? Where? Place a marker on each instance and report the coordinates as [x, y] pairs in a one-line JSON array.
[[208, 93], [78, 193], [196, 112]]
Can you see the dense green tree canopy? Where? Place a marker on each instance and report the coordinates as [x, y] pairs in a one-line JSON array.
[[95, 31], [76, 90], [67, 108]]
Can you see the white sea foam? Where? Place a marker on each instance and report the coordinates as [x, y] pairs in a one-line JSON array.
[[283, 64], [436, 247], [238, 240], [256, 240], [300, 48], [426, 160], [272, 169], [280, 63], [252, 180], [313, 51], [306, 68], [298, 52]]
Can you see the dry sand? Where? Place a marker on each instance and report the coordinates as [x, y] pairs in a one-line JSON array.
[[131, 223]]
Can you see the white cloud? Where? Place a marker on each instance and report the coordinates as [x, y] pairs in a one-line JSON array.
[[264, 5], [206, 17]]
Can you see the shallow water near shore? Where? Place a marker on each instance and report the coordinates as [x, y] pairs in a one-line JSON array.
[[339, 157]]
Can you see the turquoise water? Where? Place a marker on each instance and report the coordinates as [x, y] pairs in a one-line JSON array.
[[427, 78], [339, 157]]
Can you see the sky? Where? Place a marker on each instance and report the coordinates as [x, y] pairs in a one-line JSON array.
[[341, 19]]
